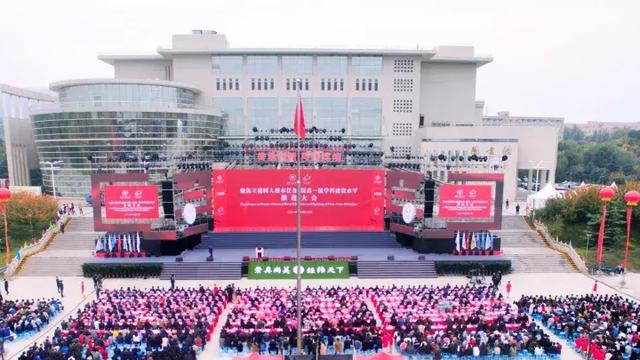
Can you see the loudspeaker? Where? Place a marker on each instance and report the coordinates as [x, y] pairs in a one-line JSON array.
[[429, 195], [167, 198]]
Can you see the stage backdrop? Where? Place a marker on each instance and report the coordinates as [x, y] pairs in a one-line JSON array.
[[131, 201], [464, 201], [265, 200]]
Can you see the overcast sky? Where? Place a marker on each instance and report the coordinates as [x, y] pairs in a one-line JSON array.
[[576, 59]]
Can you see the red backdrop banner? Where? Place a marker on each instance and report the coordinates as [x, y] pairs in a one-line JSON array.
[[464, 201], [265, 200], [131, 201]]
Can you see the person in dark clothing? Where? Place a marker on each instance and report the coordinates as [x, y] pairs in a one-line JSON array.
[[173, 281], [6, 286], [517, 209], [210, 252]]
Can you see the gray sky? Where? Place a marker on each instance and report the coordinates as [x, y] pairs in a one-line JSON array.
[[574, 58]]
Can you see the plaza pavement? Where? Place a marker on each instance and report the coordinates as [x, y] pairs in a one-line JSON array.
[[530, 284]]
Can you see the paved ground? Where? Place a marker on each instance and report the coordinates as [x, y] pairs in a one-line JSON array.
[[563, 283]]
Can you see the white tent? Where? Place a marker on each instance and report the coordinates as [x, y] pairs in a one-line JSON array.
[[539, 199]]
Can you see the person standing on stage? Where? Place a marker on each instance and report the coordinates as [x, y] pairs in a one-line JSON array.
[[173, 281]]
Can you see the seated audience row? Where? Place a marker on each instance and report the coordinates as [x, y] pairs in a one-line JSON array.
[[133, 323], [22, 317]]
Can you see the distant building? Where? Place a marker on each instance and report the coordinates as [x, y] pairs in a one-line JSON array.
[[405, 104], [593, 126], [17, 134]]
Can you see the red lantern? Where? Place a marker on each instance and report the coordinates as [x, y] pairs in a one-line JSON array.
[[632, 198], [5, 195], [607, 194]]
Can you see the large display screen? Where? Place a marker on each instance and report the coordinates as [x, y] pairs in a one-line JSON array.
[[464, 201], [265, 200], [131, 201]]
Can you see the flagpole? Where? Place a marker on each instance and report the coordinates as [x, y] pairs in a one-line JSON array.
[[298, 243]]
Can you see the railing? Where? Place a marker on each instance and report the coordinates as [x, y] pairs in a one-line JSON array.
[[36, 247], [564, 248]]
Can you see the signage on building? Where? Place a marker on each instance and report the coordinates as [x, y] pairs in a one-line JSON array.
[[131, 201], [331, 200], [464, 201], [310, 269]]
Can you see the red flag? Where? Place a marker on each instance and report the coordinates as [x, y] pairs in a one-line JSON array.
[[298, 120]]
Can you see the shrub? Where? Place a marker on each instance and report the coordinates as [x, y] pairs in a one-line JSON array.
[[122, 270], [463, 267]]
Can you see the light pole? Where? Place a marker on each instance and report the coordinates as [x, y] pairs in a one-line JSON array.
[[52, 166], [5, 195]]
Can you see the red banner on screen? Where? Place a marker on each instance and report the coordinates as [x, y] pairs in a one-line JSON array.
[[131, 201], [464, 201], [265, 200]]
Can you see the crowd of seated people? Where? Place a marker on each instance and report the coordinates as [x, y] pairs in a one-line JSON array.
[[130, 323], [456, 320], [24, 317], [264, 320], [605, 326]]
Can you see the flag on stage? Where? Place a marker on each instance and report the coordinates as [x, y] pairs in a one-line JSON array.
[[458, 241], [298, 120]]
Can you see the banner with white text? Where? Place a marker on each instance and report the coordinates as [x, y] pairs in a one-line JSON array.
[[311, 269]]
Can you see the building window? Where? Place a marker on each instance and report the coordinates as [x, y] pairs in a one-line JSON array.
[[253, 84], [366, 116], [297, 65], [217, 84], [237, 84], [227, 65], [288, 84], [357, 84], [403, 66], [224, 84], [366, 65], [232, 114], [262, 65], [332, 65], [331, 113], [402, 106], [322, 84], [306, 84], [288, 109], [341, 84], [262, 112], [273, 84], [421, 123], [370, 81], [375, 85]]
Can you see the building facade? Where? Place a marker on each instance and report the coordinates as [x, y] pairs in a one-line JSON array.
[[395, 102], [20, 152], [120, 126]]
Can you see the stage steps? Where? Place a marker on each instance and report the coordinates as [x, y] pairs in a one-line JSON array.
[[202, 270], [396, 269], [281, 240], [66, 253]]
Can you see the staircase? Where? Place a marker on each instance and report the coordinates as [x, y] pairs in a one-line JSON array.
[[66, 253], [396, 269], [202, 270], [527, 251], [283, 240]]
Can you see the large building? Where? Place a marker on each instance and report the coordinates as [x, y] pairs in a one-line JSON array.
[[406, 103], [20, 152]]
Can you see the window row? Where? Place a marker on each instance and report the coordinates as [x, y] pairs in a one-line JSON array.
[[332, 85], [297, 84], [262, 84], [268, 65], [328, 113], [366, 84], [224, 84]]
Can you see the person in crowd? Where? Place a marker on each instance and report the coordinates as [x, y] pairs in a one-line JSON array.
[[508, 288], [18, 317], [605, 326]]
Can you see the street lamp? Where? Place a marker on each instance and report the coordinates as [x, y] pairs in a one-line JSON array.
[[52, 166], [5, 195]]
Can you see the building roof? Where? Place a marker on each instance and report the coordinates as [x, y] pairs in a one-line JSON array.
[[56, 86], [111, 58], [8, 89]]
